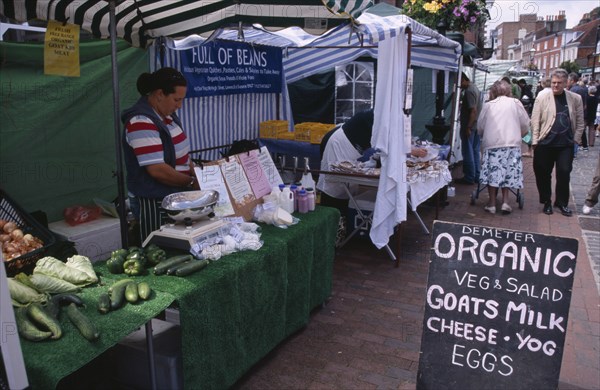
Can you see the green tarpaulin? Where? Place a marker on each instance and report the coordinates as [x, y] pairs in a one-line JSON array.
[[57, 142]]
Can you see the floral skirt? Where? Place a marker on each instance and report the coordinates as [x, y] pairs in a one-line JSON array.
[[502, 167]]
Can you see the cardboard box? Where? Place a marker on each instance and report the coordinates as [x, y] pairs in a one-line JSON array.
[[130, 358], [94, 239], [366, 202]]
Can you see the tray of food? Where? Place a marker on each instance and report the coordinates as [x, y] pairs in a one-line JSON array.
[[23, 239]]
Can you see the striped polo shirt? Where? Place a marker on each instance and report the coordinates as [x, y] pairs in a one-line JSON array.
[[144, 138]]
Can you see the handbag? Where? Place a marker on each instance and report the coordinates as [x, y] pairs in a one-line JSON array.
[[527, 137]]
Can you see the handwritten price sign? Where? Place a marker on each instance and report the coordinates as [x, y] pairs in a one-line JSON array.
[[496, 308]]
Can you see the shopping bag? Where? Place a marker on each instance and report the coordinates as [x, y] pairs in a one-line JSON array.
[[527, 137]]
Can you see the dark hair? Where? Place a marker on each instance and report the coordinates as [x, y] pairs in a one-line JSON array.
[[165, 79], [464, 76]]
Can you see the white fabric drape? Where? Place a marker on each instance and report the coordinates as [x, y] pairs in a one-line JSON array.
[[388, 127]]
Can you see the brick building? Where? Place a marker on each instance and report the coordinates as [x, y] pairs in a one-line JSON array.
[[507, 33]]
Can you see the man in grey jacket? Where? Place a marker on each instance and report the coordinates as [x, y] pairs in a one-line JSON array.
[[557, 124]]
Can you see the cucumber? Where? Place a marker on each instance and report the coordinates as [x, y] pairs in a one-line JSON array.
[[189, 267], [26, 328], [118, 284], [144, 290], [117, 293], [104, 303], [36, 312], [131, 292], [85, 326], [162, 267]]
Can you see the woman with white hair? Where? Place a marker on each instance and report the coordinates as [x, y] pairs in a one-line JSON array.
[[502, 123]]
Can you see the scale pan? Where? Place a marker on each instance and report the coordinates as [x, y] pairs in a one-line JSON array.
[[190, 204]]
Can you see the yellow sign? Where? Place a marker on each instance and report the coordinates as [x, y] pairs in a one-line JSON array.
[[61, 49]]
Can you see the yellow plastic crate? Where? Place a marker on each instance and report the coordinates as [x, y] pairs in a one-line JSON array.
[[272, 128], [302, 131], [285, 134], [317, 134], [311, 132]]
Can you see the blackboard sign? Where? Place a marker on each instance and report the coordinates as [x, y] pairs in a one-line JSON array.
[[496, 308]]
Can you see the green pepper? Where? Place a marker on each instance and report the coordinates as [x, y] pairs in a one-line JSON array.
[[137, 256], [133, 249], [119, 252], [151, 248], [115, 264], [155, 257], [133, 267]]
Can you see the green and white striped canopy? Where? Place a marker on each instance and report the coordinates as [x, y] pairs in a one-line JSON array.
[[354, 8], [141, 21]]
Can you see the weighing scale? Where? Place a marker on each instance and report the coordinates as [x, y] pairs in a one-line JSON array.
[[191, 214], [184, 236]]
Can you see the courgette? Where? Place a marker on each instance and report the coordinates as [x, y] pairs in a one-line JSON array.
[[117, 293], [104, 303], [162, 267], [38, 315], [85, 326], [131, 292], [26, 328], [189, 267], [144, 290]]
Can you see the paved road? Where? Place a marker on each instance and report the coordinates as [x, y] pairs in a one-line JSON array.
[[581, 178]]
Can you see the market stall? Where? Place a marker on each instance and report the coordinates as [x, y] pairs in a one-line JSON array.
[[390, 39], [232, 313]]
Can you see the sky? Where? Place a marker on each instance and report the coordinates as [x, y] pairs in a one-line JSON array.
[[509, 10]]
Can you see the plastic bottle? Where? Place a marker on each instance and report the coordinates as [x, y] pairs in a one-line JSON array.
[[294, 189], [281, 187], [312, 201], [302, 202], [286, 200]]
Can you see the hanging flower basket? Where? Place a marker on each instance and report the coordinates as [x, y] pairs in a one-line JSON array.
[[458, 15]]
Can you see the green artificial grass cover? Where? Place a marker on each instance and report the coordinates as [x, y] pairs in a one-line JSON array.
[[232, 313]]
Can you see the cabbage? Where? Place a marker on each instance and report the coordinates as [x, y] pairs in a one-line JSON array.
[[83, 264], [51, 266], [52, 285], [22, 295]]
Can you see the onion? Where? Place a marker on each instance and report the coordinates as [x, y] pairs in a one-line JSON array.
[[9, 227], [4, 237], [2, 223], [28, 237], [17, 234]]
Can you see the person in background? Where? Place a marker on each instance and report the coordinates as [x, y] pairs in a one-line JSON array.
[[556, 124], [347, 142], [469, 110], [525, 89], [576, 86], [502, 123], [351, 142], [591, 198], [516, 93], [155, 147], [591, 108]]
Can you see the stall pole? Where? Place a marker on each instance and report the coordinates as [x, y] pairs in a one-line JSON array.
[[119, 167]]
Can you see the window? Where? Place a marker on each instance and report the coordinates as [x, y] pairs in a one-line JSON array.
[[555, 41], [354, 89], [545, 45]]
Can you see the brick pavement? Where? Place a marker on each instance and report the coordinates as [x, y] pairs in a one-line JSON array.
[[368, 334]]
